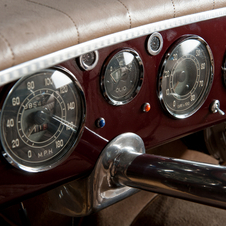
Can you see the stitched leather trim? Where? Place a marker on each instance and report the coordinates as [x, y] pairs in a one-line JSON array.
[[60, 12], [174, 9], [32, 66], [10, 47], [130, 20]]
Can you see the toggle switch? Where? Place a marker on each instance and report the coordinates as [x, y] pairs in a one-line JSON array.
[[215, 107]]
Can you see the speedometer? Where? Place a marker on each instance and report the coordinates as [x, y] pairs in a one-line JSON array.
[[186, 76], [42, 119]]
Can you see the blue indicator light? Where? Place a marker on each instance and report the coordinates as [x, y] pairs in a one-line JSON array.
[[100, 123]]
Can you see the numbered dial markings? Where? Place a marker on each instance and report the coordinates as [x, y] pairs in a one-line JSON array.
[[42, 119], [122, 77], [186, 76]]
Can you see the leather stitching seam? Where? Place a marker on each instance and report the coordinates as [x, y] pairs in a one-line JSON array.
[[60, 12], [174, 9], [10, 47], [130, 20]]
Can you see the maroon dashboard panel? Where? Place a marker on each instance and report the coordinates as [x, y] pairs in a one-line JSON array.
[[154, 127]]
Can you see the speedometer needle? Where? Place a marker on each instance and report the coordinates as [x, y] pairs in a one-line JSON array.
[[31, 130], [176, 86], [64, 122]]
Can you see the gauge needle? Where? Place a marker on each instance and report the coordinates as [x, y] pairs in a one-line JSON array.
[[64, 122], [31, 130], [113, 78], [176, 85]]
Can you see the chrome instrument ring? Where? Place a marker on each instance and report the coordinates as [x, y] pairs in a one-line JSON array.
[[42, 119], [122, 77], [186, 76]]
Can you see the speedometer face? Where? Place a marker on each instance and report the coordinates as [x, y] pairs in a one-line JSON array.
[[186, 76], [42, 119], [122, 77]]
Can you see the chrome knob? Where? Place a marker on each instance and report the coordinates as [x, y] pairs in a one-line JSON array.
[[215, 107]]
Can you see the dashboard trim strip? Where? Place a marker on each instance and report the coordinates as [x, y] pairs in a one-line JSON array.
[[49, 60]]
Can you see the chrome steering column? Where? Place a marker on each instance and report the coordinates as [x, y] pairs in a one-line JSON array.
[[123, 168]]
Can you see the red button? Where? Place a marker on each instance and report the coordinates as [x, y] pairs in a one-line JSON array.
[[146, 107]]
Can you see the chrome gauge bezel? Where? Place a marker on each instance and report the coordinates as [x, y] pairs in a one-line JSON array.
[[87, 67], [203, 94], [150, 49], [59, 157], [104, 90]]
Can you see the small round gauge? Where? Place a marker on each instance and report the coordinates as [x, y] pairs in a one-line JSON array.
[[155, 43], [186, 76], [42, 119], [89, 60], [122, 77]]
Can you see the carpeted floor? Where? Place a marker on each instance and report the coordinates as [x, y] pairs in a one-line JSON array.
[[168, 211]]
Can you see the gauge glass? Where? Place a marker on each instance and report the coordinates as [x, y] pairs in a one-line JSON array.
[[186, 76], [42, 119], [122, 77]]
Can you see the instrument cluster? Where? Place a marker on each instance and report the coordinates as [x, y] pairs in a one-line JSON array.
[[115, 90]]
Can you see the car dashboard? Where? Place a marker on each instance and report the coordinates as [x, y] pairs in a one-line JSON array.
[[75, 76]]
